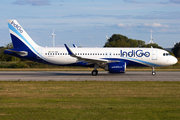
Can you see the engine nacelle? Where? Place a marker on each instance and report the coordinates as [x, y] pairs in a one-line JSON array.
[[116, 67]]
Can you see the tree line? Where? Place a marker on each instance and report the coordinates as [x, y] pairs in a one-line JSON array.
[[118, 40]]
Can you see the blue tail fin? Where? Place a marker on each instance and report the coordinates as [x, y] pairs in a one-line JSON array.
[[20, 38], [23, 45]]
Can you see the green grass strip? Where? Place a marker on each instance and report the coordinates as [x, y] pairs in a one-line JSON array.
[[89, 100]]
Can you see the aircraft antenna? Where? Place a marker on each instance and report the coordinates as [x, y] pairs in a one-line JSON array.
[[53, 37]]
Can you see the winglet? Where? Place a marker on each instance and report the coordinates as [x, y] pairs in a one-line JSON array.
[[74, 46], [69, 51]]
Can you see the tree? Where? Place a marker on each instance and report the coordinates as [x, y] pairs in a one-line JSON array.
[[117, 40], [176, 49], [5, 57], [154, 45]]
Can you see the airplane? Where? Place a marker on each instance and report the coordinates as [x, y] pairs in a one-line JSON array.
[[114, 60]]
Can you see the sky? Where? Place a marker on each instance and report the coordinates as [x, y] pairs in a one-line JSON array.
[[87, 22]]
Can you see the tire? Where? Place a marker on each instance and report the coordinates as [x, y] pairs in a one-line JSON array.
[[94, 72], [153, 73]]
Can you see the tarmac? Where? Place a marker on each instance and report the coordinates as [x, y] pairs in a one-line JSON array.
[[86, 76]]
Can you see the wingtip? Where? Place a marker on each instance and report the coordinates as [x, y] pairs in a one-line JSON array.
[[66, 46], [69, 51]]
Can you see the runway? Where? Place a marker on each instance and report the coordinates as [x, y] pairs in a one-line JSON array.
[[86, 76]]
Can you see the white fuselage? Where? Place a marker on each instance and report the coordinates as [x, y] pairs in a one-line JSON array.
[[143, 56]]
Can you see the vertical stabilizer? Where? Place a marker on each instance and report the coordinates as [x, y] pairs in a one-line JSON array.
[[20, 38]]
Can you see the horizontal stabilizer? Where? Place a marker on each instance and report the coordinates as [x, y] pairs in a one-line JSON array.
[[21, 53]]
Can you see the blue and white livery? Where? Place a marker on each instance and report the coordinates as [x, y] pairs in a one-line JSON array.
[[113, 60]]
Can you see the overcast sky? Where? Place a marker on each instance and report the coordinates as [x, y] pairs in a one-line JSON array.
[[87, 22]]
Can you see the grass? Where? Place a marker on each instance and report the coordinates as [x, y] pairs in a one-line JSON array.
[[90, 100]]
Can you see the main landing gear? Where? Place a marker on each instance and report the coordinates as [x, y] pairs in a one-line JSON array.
[[94, 72], [153, 71]]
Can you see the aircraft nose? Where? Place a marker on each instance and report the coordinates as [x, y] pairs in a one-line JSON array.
[[174, 60]]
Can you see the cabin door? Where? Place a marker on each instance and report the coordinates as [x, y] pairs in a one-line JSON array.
[[154, 54]]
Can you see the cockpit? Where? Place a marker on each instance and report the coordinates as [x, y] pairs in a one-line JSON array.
[[166, 54]]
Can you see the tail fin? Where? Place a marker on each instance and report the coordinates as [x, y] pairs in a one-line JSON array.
[[20, 38]]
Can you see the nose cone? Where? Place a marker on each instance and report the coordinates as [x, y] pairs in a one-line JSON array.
[[174, 60]]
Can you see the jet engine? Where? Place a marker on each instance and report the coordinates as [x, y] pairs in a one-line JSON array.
[[116, 67]]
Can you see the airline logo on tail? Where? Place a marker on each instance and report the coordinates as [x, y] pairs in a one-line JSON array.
[[18, 27]]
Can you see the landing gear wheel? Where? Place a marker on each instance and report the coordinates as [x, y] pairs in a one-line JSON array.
[[94, 72], [153, 73]]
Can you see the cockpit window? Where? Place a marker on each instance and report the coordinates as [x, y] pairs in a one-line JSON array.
[[166, 54]]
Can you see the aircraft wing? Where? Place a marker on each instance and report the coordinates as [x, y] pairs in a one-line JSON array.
[[99, 61], [93, 60]]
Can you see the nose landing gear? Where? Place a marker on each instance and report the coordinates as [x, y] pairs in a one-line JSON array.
[[153, 71]]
